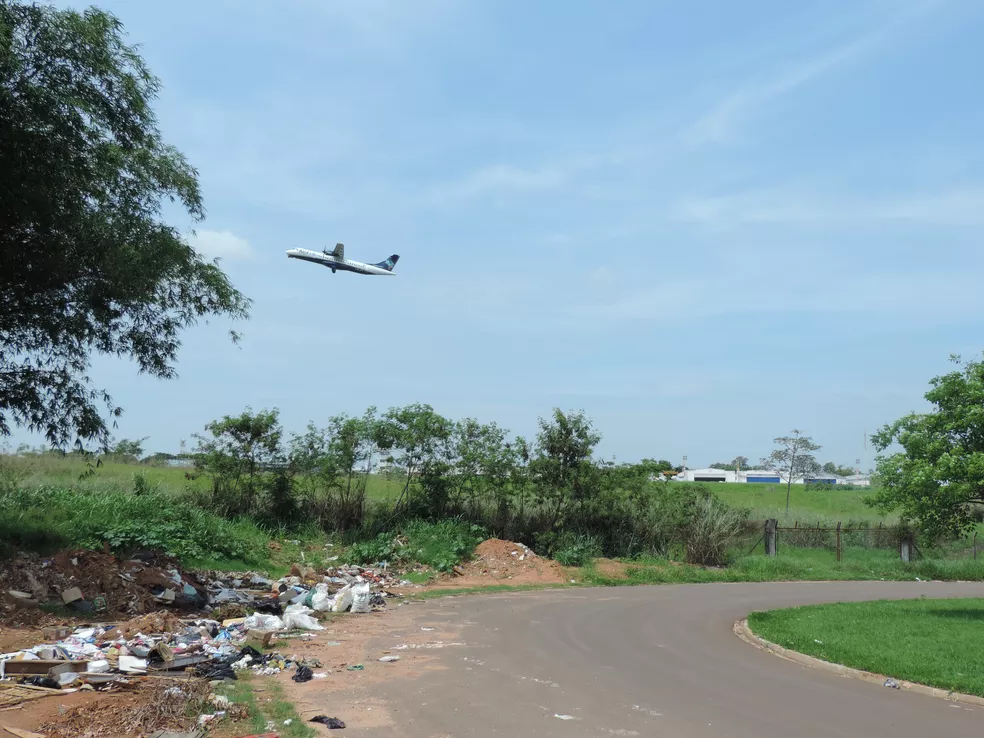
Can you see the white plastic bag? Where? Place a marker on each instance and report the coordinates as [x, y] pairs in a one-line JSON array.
[[343, 599], [262, 621], [321, 601], [298, 616], [360, 597]]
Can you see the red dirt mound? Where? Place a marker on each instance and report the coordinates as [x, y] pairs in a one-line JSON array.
[[508, 562]]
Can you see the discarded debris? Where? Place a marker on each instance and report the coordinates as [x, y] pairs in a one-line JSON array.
[[892, 684], [332, 723], [304, 674], [389, 659]]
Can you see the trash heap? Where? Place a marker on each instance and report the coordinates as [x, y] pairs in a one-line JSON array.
[[339, 589], [94, 581], [215, 648]]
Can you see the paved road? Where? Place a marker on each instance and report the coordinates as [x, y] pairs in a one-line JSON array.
[[655, 661]]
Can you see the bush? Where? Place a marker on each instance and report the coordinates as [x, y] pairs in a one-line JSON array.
[[577, 550], [712, 531], [441, 545], [43, 518]]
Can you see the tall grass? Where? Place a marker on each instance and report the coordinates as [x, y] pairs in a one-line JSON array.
[[46, 518]]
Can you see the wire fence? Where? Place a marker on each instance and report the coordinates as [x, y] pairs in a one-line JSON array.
[[839, 538]]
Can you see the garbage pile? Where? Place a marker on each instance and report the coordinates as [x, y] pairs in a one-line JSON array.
[[94, 581], [103, 656], [339, 589], [213, 648]]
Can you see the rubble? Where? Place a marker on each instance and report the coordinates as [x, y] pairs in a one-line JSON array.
[[97, 582]]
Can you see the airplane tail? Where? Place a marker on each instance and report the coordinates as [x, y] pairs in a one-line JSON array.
[[389, 263]]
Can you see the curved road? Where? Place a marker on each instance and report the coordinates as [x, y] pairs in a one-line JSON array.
[[654, 661]]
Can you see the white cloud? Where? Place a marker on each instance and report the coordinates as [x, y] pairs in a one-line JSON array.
[[220, 244]]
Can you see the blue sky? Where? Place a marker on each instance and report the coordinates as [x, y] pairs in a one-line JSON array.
[[704, 224]]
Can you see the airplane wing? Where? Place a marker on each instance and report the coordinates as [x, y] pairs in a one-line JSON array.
[[339, 251]]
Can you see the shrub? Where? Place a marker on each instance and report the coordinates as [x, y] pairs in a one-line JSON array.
[[577, 550], [712, 531], [41, 518], [441, 545]]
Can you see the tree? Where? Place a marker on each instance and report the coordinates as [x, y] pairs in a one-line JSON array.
[[793, 459], [937, 479], [239, 455], [86, 263], [562, 466], [422, 440], [842, 471], [127, 450], [737, 463]]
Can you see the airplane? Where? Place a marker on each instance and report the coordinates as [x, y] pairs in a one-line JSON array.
[[335, 259]]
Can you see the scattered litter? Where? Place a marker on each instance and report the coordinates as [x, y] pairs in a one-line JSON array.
[[332, 723], [321, 674], [356, 667], [389, 659], [565, 717], [304, 674], [816, 641], [892, 684]]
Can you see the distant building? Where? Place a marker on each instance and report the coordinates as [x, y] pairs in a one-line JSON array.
[[760, 475], [767, 476], [857, 480], [706, 475]]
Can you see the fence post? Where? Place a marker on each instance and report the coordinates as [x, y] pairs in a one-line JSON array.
[[975, 545], [905, 548], [770, 536], [838, 540]]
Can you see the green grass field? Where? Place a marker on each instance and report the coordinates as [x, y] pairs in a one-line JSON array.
[[802, 564], [807, 505], [933, 642]]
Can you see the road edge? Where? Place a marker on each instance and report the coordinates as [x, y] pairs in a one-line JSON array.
[[745, 633]]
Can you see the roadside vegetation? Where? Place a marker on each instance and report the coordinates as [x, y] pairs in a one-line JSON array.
[[415, 490], [932, 642]]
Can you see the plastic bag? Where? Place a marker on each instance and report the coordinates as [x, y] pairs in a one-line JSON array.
[[321, 601], [261, 621], [297, 616], [360, 597], [343, 599]]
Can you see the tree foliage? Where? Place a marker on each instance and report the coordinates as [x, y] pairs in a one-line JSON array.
[[843, 471], [937, 478], [86, 262], [793, 458], [243, 455]]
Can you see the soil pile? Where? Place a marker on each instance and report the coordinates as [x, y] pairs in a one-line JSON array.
[[505, 560]]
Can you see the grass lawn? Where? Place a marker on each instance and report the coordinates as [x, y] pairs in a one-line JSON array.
[[933, 642]]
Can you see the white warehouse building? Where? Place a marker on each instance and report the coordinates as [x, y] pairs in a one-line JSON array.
[[767, 476]]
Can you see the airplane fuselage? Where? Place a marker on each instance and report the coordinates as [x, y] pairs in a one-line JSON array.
[[335, 263]]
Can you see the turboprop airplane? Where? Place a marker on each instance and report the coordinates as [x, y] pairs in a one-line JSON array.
[[335, 260]]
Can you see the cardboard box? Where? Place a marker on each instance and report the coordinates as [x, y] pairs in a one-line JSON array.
[[259, 638], [57, 633]]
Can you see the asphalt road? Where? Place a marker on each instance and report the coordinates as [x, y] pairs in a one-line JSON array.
[[654, 661]]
